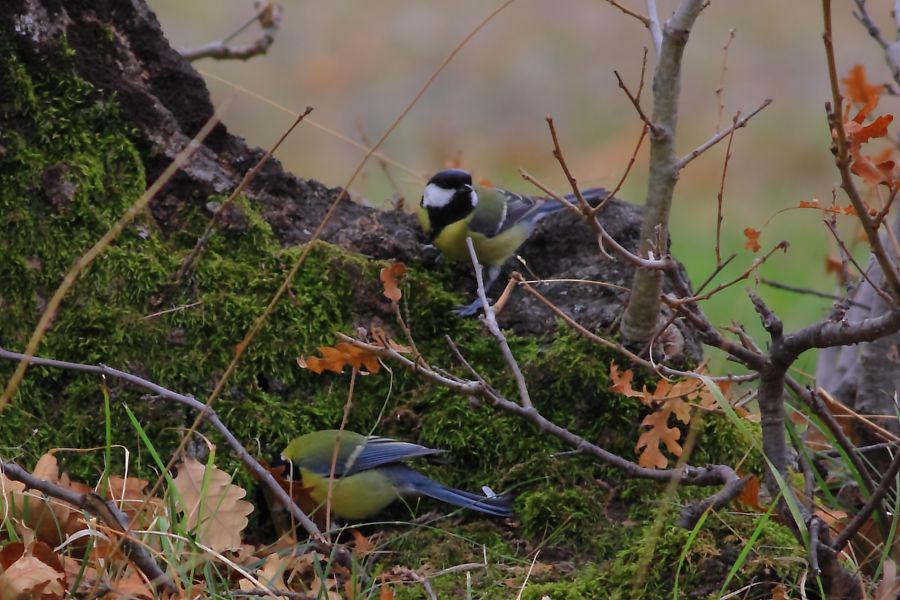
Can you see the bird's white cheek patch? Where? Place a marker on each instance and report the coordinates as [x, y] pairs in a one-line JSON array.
[[436, 197], [474, 198]]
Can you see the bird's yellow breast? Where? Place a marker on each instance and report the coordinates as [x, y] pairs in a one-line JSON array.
[[356, 496], [491, 251]]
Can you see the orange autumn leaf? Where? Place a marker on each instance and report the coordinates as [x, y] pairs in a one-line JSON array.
[[749, 495], [362, 546], [621, 382], [858, 89], [834, 265], [389, 276], [484, 182], [778, 592], [752, 242], [874, 173], [335, 358], [387, 592], [658, 432], [814, 203], [860, 134]]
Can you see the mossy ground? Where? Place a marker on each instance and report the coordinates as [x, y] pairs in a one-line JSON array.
[[69, 168]]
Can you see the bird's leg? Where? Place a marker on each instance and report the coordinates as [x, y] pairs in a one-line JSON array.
[[473, 308]]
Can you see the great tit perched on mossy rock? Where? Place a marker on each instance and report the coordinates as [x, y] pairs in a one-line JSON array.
[[369, 475], [497, 220]]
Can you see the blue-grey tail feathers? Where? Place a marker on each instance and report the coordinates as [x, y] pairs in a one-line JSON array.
[[592, 195], [413, 482]]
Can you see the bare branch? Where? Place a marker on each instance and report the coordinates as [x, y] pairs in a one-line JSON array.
[[687, 475], [756, 264], [810, 292], [269, 17], [644, 20], [862, 15], [848, 256], [642, 313], [490, 321], [719, 136], [631, 356], [720, 105], [636, 103], [653, 26], [603, 236]]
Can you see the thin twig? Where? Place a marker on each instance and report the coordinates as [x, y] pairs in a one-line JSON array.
[[720, 135], [269, 17], [721, 195], [630, 13], [385, 168], [756, 264], [887, 483], [637, 104], [631, 356], [810, 292], [557, 153], [490, 321], [720, 104], [190, 260], [817, 406], [687, 475], [849, 256], [863, 17]]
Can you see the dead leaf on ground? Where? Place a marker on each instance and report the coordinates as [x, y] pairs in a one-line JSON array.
[[213, 507]]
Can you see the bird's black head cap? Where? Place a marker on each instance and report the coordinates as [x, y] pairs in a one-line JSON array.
[[451, 179]]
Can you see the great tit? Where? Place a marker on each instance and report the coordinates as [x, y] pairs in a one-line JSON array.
[[497, 220], [369, 475]]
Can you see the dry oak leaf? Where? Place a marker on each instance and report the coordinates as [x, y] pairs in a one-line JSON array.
[[857, 87], [659, 431], [621, 382], [749, 495], [33, 573], [389, 276], [270, 575], [47, 519], [213, 506], [335, 358]]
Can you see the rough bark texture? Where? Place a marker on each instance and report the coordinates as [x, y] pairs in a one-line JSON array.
[[120, 48]]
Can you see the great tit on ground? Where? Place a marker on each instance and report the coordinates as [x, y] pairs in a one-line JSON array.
[[369, 475], [497, 220]]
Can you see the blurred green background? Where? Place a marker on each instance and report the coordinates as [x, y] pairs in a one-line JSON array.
[[359, 63]]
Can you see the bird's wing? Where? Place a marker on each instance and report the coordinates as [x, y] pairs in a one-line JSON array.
[[380, 451], [500, 209]]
